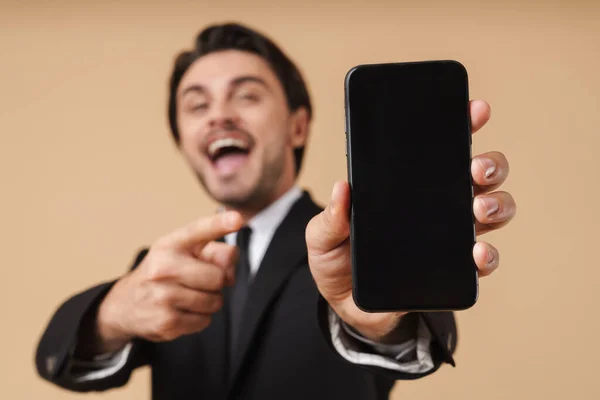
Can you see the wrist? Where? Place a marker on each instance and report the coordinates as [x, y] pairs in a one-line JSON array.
[[97, 335], [401, 328], [393, 328], [109, 333]]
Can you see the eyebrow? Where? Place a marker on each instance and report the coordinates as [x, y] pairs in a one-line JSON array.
[[236, 82], [249, 78]]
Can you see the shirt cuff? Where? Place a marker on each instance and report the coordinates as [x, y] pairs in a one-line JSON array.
[[412, 356], [100, 367]]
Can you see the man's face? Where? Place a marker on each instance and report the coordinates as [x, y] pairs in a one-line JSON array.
[[236, 129]]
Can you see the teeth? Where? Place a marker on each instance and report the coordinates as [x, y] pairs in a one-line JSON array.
[[225, 142]]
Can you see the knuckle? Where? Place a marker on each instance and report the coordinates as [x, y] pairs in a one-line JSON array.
[[163, 296], [166, 326], [159, 266], [154, 271], [214, 278]]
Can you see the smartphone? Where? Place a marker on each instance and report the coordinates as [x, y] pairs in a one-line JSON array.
[[408, 139]]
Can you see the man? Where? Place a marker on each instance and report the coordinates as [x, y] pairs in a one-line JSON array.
[[253, 302]]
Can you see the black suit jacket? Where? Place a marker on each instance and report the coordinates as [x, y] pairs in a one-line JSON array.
[[286, 350]]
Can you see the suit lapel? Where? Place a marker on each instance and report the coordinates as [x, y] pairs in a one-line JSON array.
[[285, 253]]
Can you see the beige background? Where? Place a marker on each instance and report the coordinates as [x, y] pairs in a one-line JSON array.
[[89, 173]]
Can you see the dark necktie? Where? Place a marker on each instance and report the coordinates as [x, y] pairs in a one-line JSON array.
[[240, 287]]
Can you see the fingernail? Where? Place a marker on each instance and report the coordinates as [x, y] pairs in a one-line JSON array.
[[335, 191], [490, 257], [488, 166], [490, 204], [334, 196]]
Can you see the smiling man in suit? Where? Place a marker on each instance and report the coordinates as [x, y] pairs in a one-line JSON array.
[[253, 302]]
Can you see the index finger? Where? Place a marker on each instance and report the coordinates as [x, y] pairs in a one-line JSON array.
[[202, 231]]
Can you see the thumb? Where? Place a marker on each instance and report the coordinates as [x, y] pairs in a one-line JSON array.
[[331, 228]]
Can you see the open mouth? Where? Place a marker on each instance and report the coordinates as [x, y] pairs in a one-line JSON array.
[[226, 146], [228, 151]]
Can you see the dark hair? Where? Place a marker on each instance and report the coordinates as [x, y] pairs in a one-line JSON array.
[[233, 36]]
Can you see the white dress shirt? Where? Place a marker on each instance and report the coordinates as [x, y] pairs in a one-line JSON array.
[[412, 356]]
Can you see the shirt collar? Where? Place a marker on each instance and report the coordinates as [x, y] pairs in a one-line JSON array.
[[266, 221]]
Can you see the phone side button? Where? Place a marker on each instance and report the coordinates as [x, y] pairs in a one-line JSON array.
[[346, 146]]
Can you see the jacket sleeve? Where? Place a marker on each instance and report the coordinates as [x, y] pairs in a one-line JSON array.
[[441, 333], [57, 345]]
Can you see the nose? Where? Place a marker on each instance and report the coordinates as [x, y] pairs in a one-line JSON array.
[[222, 114]]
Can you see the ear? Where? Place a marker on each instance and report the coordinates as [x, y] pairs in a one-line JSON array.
[[299, 127]]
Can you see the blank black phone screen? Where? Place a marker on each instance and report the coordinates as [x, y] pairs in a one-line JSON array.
[[409, 162]]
